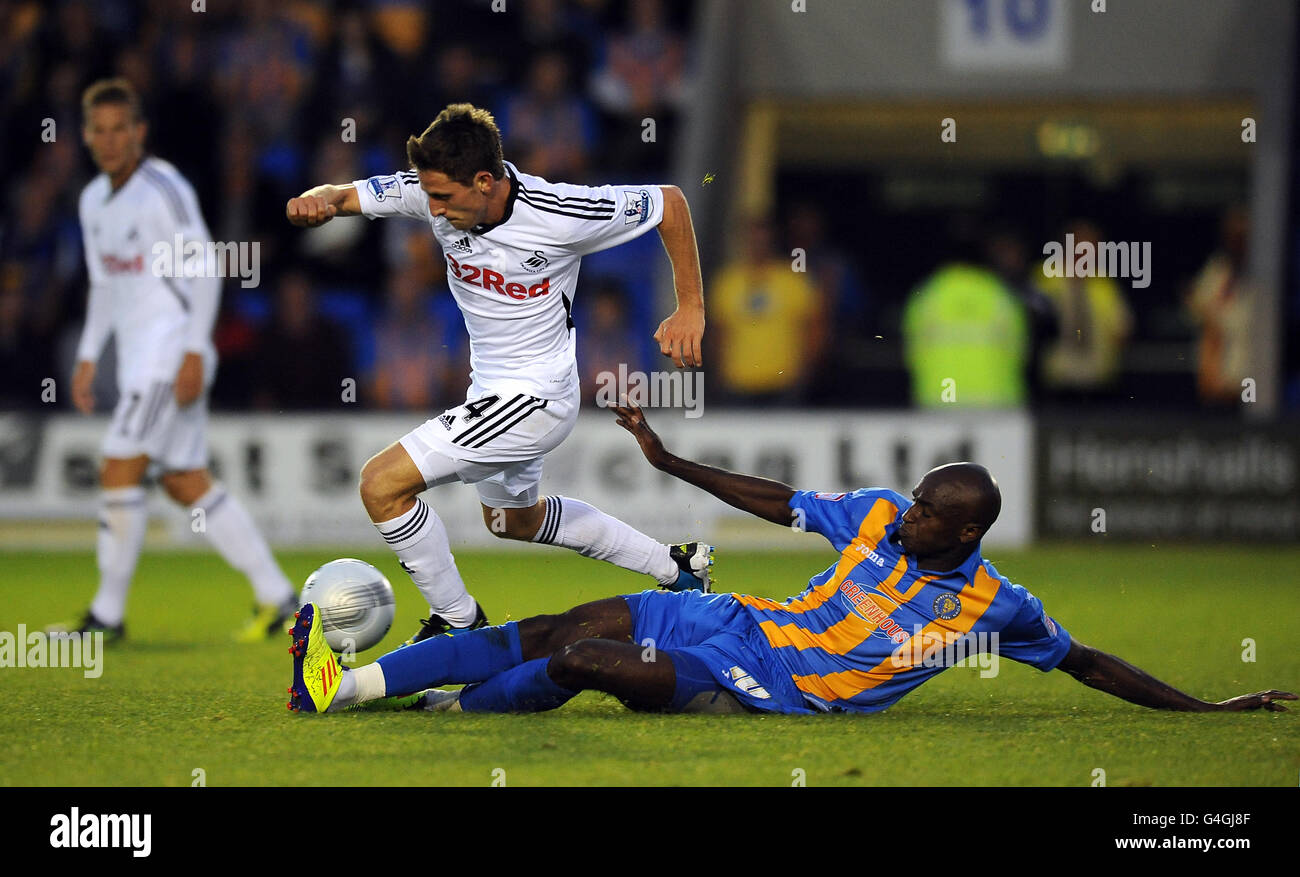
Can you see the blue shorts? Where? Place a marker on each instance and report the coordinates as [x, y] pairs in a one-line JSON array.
[[714, 645]]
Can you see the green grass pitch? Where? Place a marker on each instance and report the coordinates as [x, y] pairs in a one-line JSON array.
[[179, 697]]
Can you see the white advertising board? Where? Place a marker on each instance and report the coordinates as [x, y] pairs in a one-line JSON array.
[[298, 474]]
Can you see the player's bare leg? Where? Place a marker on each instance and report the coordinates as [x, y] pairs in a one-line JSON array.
[[574, 524], [518, 524], [543, 635], [591, 647], [118, 473], [390, 488], [231, 530], [615, 668], [185, 488], [390, 482]]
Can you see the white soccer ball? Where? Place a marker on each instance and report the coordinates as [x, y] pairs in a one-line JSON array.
[[355, 602]]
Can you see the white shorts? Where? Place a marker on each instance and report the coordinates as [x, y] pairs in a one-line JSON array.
[[495, 442], [147, 421]]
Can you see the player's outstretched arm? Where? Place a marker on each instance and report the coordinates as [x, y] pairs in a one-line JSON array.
[[1107, 673], [319, 205], [769, 500], [682, 334]]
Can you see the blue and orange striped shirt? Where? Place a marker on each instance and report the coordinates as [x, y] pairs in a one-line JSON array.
[[873, 626]]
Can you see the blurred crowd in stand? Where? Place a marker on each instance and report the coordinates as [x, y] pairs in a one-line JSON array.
[[255, 101]]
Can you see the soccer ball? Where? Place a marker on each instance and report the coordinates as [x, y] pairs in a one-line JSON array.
[[355, 602]]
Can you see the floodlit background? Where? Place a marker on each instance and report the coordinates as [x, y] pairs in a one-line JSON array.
[[873, 186], [876, 188]]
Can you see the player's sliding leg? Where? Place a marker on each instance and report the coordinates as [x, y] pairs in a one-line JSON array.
[[123, 517], [390, 488], [620, 669], [574, 524], [617, 668], [481, 655], [698, 630], [236, 538]]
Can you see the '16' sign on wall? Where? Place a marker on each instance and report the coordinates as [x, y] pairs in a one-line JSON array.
[[1005, 34]]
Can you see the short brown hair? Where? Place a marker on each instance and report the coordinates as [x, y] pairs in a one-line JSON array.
[[462, 141], [112, 91]]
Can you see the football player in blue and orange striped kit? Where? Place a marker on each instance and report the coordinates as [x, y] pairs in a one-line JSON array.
[[909, 596]]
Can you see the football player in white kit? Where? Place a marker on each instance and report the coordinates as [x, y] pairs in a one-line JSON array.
[[513, 244], [165, 364]]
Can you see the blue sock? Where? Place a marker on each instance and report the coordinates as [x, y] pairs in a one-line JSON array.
[[523, 689], [466, 657], [685, 582]]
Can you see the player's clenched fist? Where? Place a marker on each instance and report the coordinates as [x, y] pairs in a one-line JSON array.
[[309, 211], [680, 335]]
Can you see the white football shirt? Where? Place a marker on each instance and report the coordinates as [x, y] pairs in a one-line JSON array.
[[155, 317], [514, 280]]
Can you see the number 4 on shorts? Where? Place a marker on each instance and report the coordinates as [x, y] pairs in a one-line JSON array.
[[479, 407]]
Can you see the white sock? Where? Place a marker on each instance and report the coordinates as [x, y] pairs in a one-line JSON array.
[[420, 540], [359, 685], [592, 533], [236, 538], [122, 521]]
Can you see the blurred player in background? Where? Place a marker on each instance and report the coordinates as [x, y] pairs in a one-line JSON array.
[[1221, 302], [513, 244], [165, 364]]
